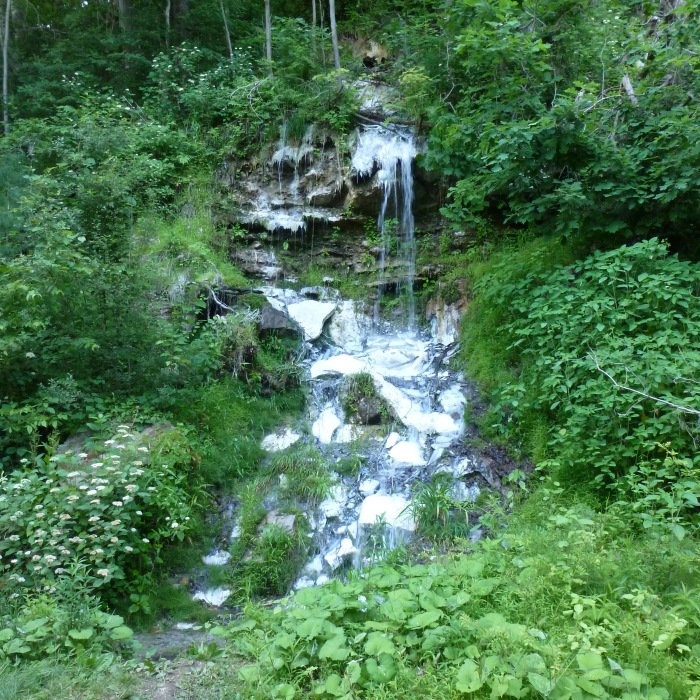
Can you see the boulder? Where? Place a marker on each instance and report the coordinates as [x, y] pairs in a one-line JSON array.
[[274, 320], [276, 442], [325, 425], [390, 509], [311, 315]]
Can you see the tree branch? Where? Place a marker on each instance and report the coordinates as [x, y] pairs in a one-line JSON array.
[[678, 407]]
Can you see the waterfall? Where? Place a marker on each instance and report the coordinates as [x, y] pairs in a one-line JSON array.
[[392, 153]]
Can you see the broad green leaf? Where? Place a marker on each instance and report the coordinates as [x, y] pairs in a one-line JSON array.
[[468, 677]]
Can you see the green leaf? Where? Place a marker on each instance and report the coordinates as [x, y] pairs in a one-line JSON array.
[[284, 691], [678, 531], [81, 634], [121, 633], [540, 683], [334, 649], [425, 619], [468, 678], [379, 644]]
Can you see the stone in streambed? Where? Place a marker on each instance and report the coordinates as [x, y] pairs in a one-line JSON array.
[[408, 453], [311, 315], [390, 509], [325, 425], [276, 442]]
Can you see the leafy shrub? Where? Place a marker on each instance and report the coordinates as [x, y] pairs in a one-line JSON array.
[[604, 351], [110, 514], [71, 624]]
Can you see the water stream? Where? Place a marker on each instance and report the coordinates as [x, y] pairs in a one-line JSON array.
[[410, 372]]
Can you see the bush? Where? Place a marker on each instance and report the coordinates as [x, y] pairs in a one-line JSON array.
[[108, 515], [602, 354]]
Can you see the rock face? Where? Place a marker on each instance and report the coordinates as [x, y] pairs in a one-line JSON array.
[[311, 315], [309, 193]]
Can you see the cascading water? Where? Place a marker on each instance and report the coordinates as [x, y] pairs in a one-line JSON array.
[[409, 371], [393, 154]]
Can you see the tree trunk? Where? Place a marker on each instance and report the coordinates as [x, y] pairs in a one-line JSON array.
[[124, 10], [6, 69], [228, 34], [313, 29], [334, 36], [167, 24], [268, 34]]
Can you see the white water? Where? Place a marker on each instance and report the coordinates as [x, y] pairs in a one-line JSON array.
[[426, 400], [392, 153]]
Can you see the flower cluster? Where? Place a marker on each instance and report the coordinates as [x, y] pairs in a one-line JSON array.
[[110, 514]]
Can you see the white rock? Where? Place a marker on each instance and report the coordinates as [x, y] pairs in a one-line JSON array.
[[311, 315], [303, 582], [392, 440], [236, 532], [314, 567], [348, 433], [322, 579], [338, 364], [340, 554], [348, 329], [369, 486], [276, 442], [435, 456], [392, 509], [217, 558], [213, 596], [325, 425], [410, 413], [352, 530], [464, 466], [333, 506], [453, 401], [405, 452], [185, 626]]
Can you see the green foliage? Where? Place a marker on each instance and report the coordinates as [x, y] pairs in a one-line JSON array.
[[303, 474], [555, 331], [43, 626], [554, 606], [103, 518], [538, 130], [438, 514], [360, 397]]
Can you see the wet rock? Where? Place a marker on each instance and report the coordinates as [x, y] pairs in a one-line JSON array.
[[276, 442], [337, 364], [348, 329], [368, 410], [390, 509], [325, 425], [311, 315], [314, 567], [368, 487], [287, 521], [215, 597], [322, 579], [333, 506], [217, 558], [340, 554], [257, 262], [453, 401], [408, 453], [276, 320], [348, 433], [409, 412], [303, 582], [392, 440]]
